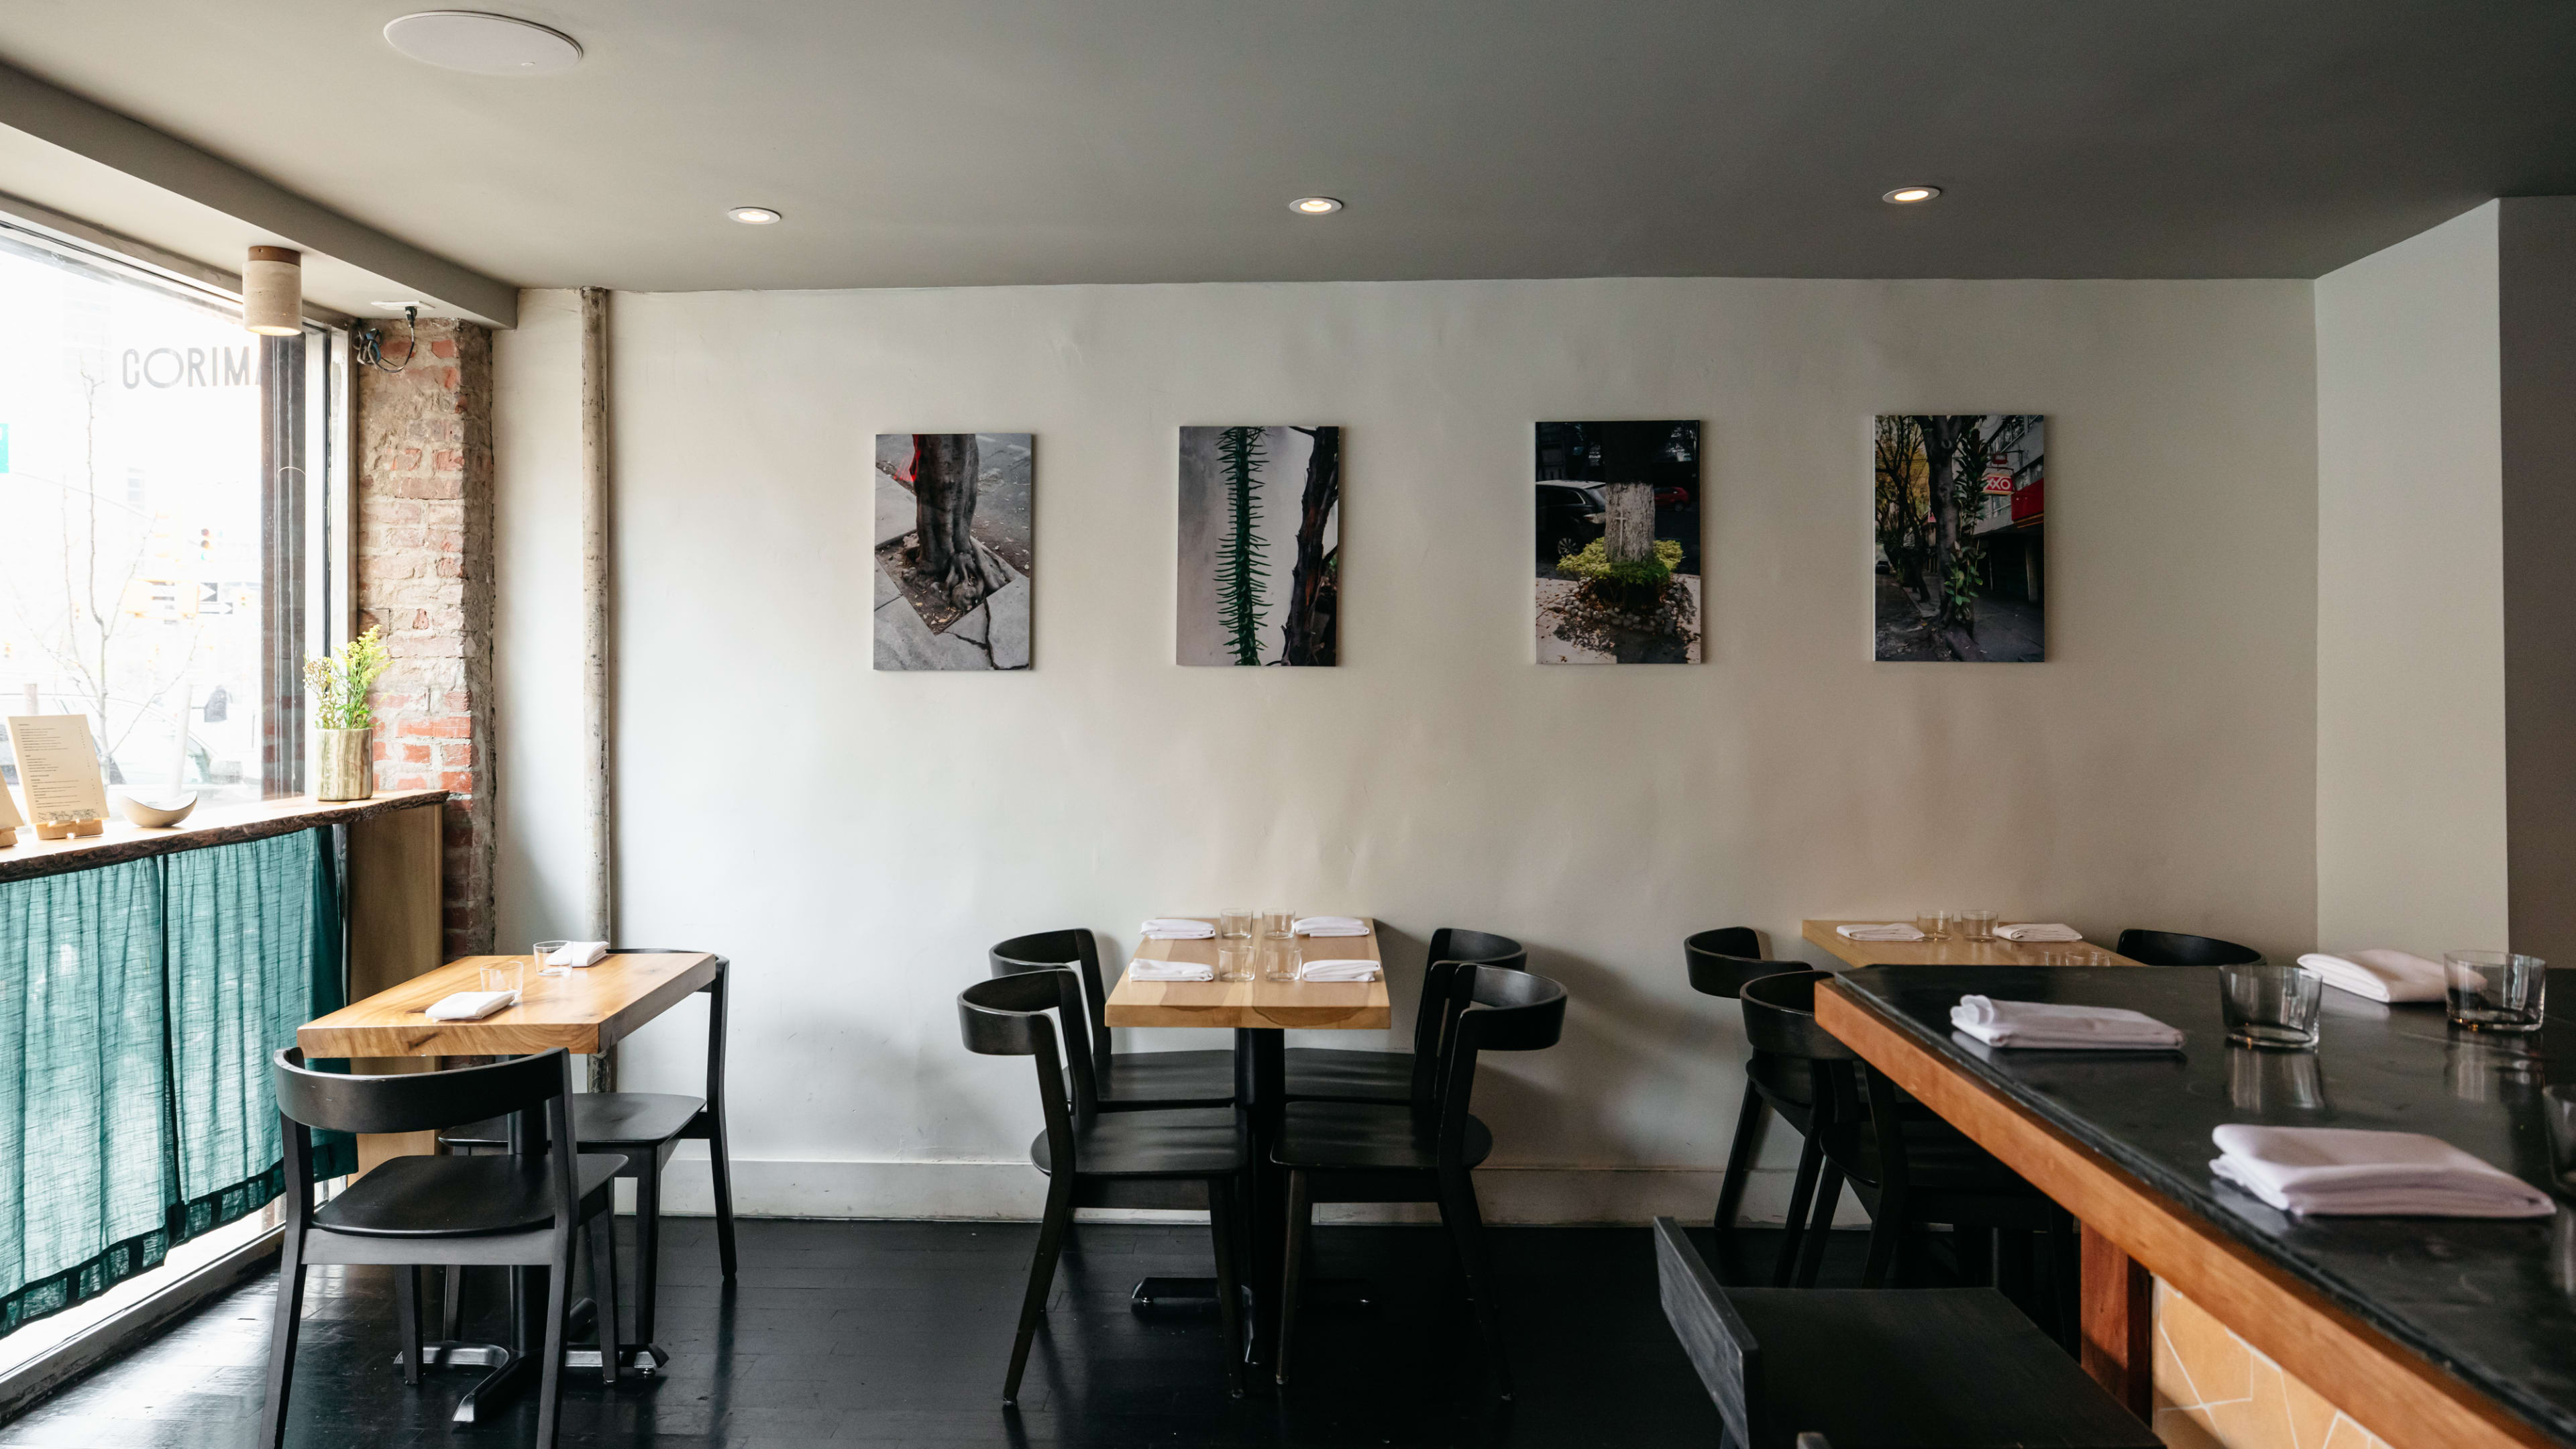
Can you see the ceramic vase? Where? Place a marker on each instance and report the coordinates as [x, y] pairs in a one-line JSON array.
[[347, 769]]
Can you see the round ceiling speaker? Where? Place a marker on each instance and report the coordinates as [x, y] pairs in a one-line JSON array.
[[469, 40]]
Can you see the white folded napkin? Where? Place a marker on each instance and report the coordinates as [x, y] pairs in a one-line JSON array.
[[2039, 931], [2048, 1024], [1144, 970], [1330, 926], [1338, 971], [1177, 928], [1892, 931], [470, 1005], [2380, 973], [2346, 1172], [577, 953]]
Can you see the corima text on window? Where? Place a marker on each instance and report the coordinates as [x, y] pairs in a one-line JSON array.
[[189, 367]]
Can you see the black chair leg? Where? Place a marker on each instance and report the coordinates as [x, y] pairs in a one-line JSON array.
[[1229, 1291], [1750, 1119], [603, 1292], [1793, 1231], [1820, 1225], [1884, 1234], [558, 1319], [1459, 1206], [1051, 1231], [407, 1316], [281, 1346], [720, 1167], [451, 1307], [1292, 1278], [648, 1248]]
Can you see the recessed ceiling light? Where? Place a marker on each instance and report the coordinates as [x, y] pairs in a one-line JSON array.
[[470, 40], [1909, 195], [1314, 206], [752, 215]]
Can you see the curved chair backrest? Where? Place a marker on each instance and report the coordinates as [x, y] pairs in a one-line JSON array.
[[2173, 948], [423, 1102], [1076, 950], [1780, 1018], [1479, 948], [1006, 1016], [1499, 1009], [1452, 948], [1721, 961]]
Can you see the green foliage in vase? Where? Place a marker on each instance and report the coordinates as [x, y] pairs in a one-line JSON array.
[[340, 682], [1593, 565], [1240, 573]]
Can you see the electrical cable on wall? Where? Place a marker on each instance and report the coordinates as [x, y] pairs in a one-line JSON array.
[[368, 343]]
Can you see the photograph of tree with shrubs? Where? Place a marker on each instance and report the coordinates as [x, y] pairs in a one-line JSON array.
[[1618, 543], [1260, 539], [1961, 509]]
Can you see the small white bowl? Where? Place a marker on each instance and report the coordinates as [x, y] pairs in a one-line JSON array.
[[155, 816]]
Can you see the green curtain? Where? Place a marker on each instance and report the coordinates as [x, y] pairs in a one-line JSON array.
[[139, 1004]]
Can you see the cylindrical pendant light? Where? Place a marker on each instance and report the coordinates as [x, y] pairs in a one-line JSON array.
[[273, 292]]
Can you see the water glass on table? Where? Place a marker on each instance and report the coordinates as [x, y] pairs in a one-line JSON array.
[[1975, 925], [1234, 923], [1234, 963], [2495, 990], [545, 952], [1279, 925], [1935, 925], [510, 976], [1279, 958], [2274, 1007]]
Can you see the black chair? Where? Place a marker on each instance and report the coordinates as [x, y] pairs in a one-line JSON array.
[[1186, 1157], [1135, 1079], [1720, 962], [1790, 1072], [2173, 948], [1329, 1074], [1944, 1368], [1374, 1152], [645, 1128], [518, 1210]]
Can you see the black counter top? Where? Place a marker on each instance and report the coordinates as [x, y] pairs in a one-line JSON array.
[[2491, 1302]]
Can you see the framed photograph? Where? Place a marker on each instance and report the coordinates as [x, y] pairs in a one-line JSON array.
[[1618, 543], [1261, 535], [954, 551], [1958, 566]]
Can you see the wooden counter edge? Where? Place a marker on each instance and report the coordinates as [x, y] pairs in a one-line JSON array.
[[32, 858], [2390, 1390]]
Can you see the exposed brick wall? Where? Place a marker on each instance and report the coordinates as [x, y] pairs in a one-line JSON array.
[[424, 575]]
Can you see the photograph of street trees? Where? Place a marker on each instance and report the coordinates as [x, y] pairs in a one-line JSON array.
[[1260, 540], [1959, 568], [1618, 543], [954, 551]]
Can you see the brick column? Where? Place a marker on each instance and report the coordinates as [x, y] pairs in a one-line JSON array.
[[424, 575]]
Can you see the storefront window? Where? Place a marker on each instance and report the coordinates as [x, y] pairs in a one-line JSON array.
[[158, 512]]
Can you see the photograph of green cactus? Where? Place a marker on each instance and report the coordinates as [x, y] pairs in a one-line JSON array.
[[1260, 564]]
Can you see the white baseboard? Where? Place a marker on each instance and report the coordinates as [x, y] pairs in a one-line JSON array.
[[1013, 1191]]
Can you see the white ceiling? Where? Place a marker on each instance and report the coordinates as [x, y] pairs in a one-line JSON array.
[[943, 142]]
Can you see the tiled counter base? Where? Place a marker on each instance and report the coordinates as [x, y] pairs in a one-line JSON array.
[[2215, 1392]]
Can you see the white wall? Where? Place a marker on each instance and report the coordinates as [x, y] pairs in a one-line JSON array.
[[854, 840], [2410, 596]]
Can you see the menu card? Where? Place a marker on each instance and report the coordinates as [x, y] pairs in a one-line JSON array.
[[58, 768]]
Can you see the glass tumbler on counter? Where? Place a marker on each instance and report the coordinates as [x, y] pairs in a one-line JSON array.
[[1935, 925], [1234, 963], [2495, 990], [2270, 1006], [545, 953], [2558, 1110], [1279, 957], [1976, 925], [510, 976], [1234, 923], [1279, 925]]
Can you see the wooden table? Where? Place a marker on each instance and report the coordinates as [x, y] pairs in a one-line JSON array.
[[1948, 952], [1260, 1012], [585, 1011], [2428, 1332]]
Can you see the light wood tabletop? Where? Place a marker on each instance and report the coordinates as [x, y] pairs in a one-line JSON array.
[[585, 1011], [1953, 951], [1306, 1005]]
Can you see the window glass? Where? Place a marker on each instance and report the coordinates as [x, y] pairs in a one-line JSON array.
[[135, 546]]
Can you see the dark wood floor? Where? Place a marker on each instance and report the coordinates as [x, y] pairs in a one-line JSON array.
[[897, 1333]]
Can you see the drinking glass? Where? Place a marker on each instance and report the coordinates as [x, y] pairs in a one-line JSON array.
[[1234, 963], [1279, 957], [545, 952], [1976, 925], [2495, 990], [2270, 1006], [2558, 1109], [510, 976], [1935, 925], [1234, 923], [1279, 925]]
